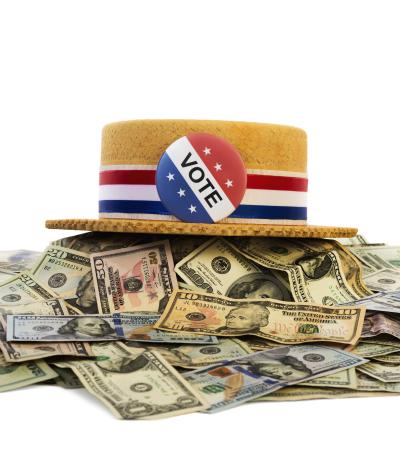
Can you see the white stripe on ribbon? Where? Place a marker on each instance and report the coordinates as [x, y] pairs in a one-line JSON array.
[[251, 196]]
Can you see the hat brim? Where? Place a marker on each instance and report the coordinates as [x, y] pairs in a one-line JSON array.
[[215, 229]]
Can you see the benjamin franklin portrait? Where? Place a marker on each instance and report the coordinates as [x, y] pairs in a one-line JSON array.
[[87, 326], [280, 366]]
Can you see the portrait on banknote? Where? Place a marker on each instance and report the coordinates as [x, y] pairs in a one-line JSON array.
[[122, 364], [246, 317], [315, 266], [279, 365], [86, 326], [259, 286], [85, 300]]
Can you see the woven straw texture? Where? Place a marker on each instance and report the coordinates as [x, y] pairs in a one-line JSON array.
[[216, 229], [261, 146]]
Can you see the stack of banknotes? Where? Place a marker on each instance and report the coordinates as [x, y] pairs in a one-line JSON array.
[[157, 326]]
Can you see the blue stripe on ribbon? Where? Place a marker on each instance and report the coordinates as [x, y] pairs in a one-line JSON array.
[[270, 212], [243, 211]]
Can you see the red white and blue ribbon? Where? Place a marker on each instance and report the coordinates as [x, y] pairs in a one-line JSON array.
[[271, 196]]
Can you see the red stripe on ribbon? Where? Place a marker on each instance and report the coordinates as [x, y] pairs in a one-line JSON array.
[[272, 182], [257, 182], [128, 177]]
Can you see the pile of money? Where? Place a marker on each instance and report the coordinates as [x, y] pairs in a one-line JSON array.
[[158, 326]]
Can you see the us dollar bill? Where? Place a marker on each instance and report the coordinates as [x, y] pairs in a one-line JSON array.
[[343, 379], [381, 302], [66, 378], [93, 328], [217, 267], [284, 322], [367, 383], [141, 328], [182, 246], [391, 358], [353, 241], [92, 242], [380, 323], [14, 262], [24, 289], [18, 375], [62, 270], [319, 270], [137, 386], [230, 383], [386, 372], [195, 356], [371, 350], [138, 278], [384, 280], [378, 257], [301, 393], [258, 344], [53, 306], [33, 351]]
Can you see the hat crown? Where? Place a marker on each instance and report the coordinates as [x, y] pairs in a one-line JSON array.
[[261, 146]]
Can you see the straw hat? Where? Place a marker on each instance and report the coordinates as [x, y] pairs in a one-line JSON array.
[[268, 163]]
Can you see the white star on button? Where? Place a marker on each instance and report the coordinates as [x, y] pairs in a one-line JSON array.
[[207, 151], [181, 192], [192, 209], [218, 167], [170, 176], [229, 183]]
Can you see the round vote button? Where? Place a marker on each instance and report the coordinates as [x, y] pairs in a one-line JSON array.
[[201, 178]]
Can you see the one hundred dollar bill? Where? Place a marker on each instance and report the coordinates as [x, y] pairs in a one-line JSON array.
[[137, 386], [23, 289], [284, 322], [386, 372], [33, 351], [343, 379], [319, 270], [92, 242], [18, 375], [133, 279], [228, 384], [94, 328], [218, 268], [384, 280], [195, 356]]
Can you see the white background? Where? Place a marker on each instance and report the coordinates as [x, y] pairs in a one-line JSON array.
[[69, 67]]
